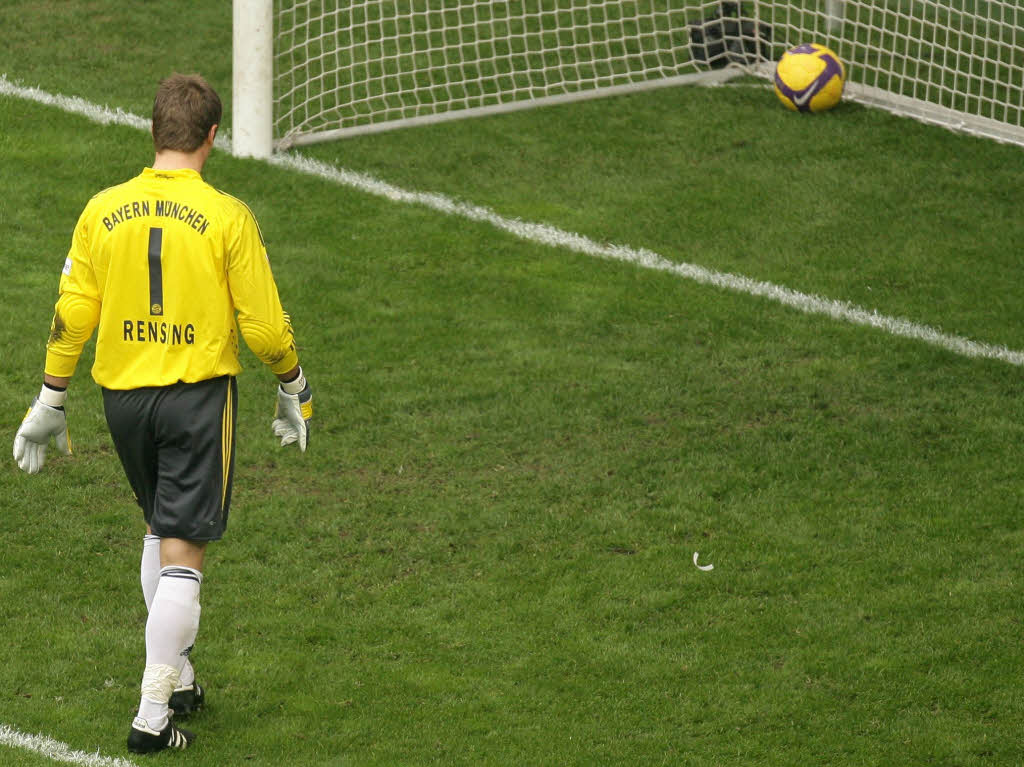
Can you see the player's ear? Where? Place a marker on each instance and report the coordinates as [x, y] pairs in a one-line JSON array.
[[212, 134]]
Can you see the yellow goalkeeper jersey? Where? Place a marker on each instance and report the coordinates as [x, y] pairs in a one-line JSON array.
[[163, 263]]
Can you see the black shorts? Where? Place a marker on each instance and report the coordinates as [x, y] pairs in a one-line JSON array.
[[177, 446]]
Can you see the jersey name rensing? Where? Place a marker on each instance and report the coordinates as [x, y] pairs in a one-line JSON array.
[[162, 263]]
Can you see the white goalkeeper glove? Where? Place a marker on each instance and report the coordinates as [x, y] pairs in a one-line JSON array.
[[293, 412], [41, 422]]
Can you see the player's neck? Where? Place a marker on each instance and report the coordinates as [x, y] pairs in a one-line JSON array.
[[170, 159]]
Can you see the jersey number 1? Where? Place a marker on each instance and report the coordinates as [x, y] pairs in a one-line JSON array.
[[156, 274]]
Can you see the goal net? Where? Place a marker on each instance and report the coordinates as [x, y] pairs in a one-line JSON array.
[[311, 70], [954, 63]]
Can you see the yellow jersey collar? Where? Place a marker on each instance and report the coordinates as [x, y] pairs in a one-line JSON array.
[[180, 173]]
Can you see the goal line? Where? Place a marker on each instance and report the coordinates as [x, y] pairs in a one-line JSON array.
[[546, 234]]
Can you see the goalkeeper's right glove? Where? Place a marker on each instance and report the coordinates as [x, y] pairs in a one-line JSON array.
[[293, 412], [40, 423]]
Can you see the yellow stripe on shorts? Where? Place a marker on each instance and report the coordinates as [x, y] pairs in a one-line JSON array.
[[226, 437]]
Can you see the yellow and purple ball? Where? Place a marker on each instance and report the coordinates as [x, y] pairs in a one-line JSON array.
[[809, 78]]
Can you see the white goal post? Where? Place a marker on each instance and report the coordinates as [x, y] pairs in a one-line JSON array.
[[313, 70], [252, 78]]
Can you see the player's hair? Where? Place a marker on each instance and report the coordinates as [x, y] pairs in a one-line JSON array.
[[184, 110]]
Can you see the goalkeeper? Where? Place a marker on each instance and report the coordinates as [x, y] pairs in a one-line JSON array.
[[160, 266]]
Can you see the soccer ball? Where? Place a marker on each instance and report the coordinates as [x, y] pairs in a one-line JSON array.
[[809, 78]]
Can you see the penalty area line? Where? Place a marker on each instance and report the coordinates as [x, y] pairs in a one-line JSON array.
[[552, 236], [57, 751]]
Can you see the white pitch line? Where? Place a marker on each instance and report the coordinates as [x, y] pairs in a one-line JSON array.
[[73, 104], [552, 236], [57, 751], [549, 235]]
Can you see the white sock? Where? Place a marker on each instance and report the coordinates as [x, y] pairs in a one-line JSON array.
[[187, 676], [149, 571], [170, 633], [150, 577]]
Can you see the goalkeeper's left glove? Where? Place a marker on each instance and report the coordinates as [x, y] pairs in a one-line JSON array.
[[41, 422], [293, 412]]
